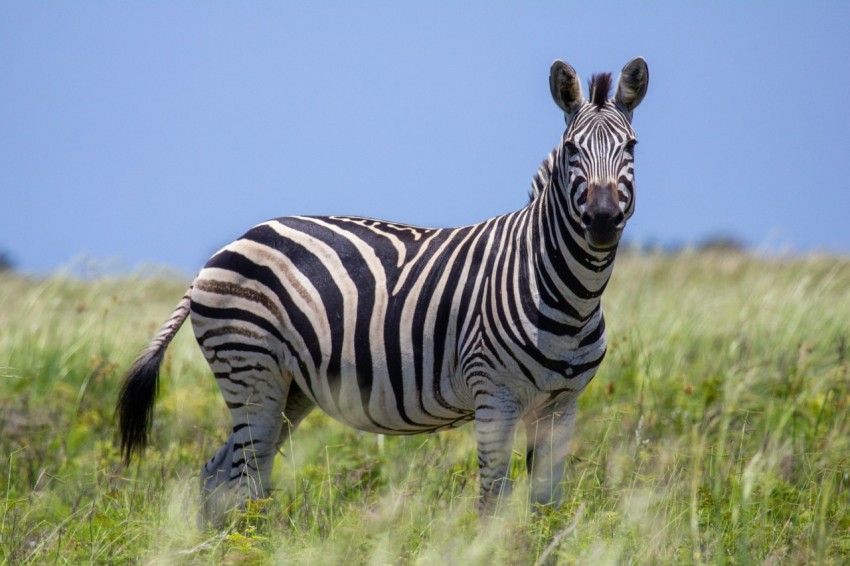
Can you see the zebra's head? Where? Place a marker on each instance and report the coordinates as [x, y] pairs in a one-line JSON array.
[[596, 158]]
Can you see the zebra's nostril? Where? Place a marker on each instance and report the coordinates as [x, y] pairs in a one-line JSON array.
[[602, 221]]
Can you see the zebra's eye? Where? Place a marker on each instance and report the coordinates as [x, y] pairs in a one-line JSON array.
[[571, 148], [630, 147]]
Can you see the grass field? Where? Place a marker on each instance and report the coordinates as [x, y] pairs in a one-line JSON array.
[[716, 432]]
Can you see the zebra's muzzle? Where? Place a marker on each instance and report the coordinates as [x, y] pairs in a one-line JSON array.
[[603, 220]]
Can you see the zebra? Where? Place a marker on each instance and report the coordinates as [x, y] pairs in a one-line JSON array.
[[398, 329]]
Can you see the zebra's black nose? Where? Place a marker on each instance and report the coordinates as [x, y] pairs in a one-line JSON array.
[[603, 219]]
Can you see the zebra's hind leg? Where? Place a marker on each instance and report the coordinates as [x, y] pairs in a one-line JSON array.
[[241, 469]]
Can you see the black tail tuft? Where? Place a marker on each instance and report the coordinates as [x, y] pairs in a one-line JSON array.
[[136, 402]]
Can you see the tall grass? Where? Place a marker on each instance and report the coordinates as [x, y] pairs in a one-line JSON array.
[[716, 432]]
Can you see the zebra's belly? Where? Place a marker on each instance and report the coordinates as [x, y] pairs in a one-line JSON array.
[[392, 428], [383, 405]]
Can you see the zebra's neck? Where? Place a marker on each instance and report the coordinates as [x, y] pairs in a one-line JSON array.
[[566, 273]]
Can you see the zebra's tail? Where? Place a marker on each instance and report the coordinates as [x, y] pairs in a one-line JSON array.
[[136, 400]]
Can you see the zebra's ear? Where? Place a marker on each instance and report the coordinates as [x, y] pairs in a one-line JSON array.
[[631, 86], [565, 87]]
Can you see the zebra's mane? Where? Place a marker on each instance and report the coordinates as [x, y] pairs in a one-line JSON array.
[[600, 86], [541, 178]]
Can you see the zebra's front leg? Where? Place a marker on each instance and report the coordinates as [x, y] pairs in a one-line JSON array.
[[548, 432], [496, 419]]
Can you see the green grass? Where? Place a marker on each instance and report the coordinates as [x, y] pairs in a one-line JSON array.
[[716, 432]]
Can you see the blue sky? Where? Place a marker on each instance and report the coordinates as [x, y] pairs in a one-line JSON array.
[[154, 133]]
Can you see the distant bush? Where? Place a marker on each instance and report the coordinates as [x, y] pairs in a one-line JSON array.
[[722, 243], [6, 261]]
